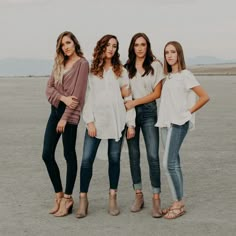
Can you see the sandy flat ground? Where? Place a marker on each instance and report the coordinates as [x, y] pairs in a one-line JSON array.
[[208, 158], [214, 69]]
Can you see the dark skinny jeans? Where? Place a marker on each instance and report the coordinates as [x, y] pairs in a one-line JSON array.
[[51, 138]]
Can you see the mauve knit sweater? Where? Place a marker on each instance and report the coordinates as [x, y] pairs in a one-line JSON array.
[[74, 83]]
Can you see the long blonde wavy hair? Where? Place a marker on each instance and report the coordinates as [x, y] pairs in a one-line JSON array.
[[98, 61], [60, 59]]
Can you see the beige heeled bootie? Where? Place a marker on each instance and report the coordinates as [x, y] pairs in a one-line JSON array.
[[57, 202], [156, 208], [66, 206], [138, 203], [83, 207], [113, 208]]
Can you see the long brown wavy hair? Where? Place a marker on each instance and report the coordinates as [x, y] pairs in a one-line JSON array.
[[180, 56], [60, 59], [98, 61], [130, 64]]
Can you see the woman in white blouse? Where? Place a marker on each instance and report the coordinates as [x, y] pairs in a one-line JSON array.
[[176, 116], [105, 115]]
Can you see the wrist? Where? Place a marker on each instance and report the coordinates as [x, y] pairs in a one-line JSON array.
[[90, 124], [135, 102], [62, 98], [131, 126]]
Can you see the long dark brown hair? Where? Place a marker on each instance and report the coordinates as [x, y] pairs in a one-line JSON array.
[[130, 64], [180, 56], [98, 61], [60, 59]]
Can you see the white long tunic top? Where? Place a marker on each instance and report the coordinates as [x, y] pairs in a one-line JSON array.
[[105, 107], [176, 99]]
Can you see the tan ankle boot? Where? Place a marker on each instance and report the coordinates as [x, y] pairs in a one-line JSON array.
[[156, 208], [65, 208], [83, 207], [57, 202], [56, 206], [113, 208], [138, 203]]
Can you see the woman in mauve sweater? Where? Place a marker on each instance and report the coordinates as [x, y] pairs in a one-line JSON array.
[[66, 93]]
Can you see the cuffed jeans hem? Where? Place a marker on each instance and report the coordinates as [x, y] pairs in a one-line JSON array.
[[156, 190], [137, 186], [177, 200]]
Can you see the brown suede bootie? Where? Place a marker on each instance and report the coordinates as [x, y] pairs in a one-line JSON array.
[[113, 208], [156, 208], [65, 208], [57, 202], [83, 207], [138, 203]]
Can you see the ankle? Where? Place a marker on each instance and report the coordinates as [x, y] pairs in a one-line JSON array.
[[156, 196], [178, 204], [59, 195], [113, 192], [66, 196], [138, 191], [83, 195]]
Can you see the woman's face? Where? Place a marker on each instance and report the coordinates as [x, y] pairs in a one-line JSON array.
[[110, 48], [140, 47], [67, 46], [171, 55]]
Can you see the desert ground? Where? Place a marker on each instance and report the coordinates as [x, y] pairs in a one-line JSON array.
[[208, 160], [215, 69]]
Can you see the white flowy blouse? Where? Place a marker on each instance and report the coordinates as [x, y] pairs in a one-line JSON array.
[[105, 107]]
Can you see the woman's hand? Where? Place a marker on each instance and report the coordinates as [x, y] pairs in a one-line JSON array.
[[129, 104], [70, 101], [202, 100], [125, 91], [92, 132], [130, 132], [61, 126]]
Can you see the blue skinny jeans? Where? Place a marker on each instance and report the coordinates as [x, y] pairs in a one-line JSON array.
[[90, 148], [172, 139], [146, 118]]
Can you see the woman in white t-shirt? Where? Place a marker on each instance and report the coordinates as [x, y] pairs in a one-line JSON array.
[[105, 115], [146, 74], [176, 117]]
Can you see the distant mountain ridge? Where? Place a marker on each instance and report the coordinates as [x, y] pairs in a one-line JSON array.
[[25, 67], [208, 60], [43, 67]]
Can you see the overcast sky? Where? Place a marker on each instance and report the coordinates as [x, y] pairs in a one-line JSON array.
[[29, 28]]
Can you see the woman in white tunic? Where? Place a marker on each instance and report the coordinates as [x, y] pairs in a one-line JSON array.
[[105, 115], [176, 116]]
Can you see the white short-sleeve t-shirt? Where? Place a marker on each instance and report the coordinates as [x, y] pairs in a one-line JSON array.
[[177, 98], [143, 85]]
